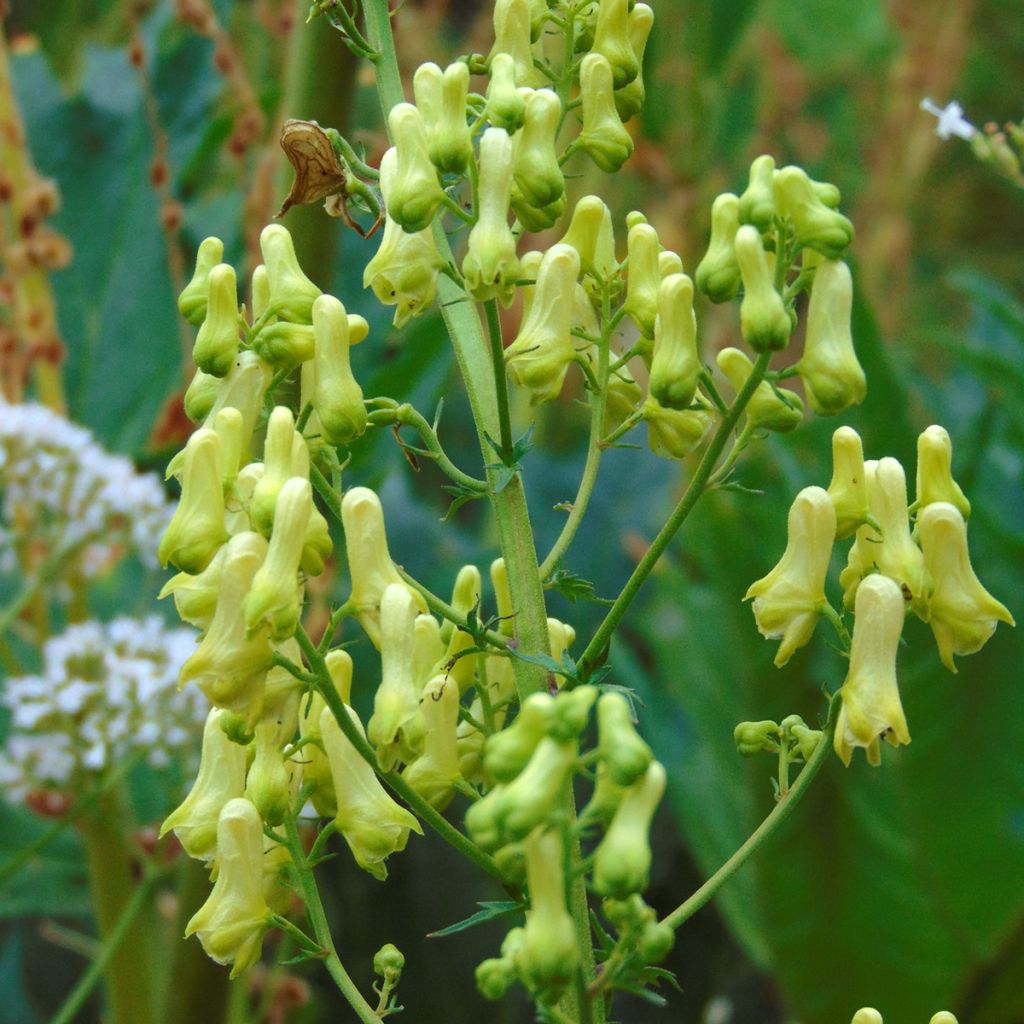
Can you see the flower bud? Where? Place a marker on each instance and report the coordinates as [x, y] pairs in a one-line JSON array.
[[495, 976], [490, 266], [397, 729], [506, 106], [200, 395], [275, 599], [260, 288], [267, 785], [671, 433], [871, 709], [388, 963], [537, 173], [465, 597], [753, 737], [441, 98], [232, 922], [338, 399], [867, 1015], [292, 294], [590, 234], [570, 713], [415, 192], [675, 365], [549, 954], [622, 860], [656, 941], [229, 665], [764, 321], [216, 345], [935, 472], [196, 530], [817, 226], [849, 487], [278, 450], [807, 739], [669, 263], [536, 218], [221, 778], [605, 799], [433, 775], [629, 100], [832, 376], [193, 298], [195, 597], [788, 601], [961, 612], [403, 272], [369, 562], [539, 357], [513, 35], [620, 748], [718, 274], [428, 650], [943, 1017], [757, 204], [507, 752], [603, 135], [612, 41], [373, 825], [769, 408], [644, 277], [285, 345]]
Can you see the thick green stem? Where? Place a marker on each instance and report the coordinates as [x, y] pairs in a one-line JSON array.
[[500, 385], [765, 830], [596, 649]]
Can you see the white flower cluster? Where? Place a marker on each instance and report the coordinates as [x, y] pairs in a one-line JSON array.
[[64, 490], [105, 693]]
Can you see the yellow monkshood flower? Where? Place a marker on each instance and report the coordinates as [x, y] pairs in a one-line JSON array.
[[935, 472], [871, 708], [788, 600], [961, 612]]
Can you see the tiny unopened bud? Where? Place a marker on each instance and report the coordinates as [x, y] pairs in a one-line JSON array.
[[278, 451], [388, 963], [200, 395], [441, 97], [612, 41], [753, 737], [507, 752], [192, 300], [644, 277], [590, 234], [622, 751], [267, 784], [285, 345]]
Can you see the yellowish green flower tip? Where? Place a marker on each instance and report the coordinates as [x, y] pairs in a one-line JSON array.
[[718, 273], [644, 276], [291, 293], [195, 596], [435, 772], [441, 99], [388, 963], [962, 613], [513, 35], [675, 364], [232, 922], [753, 737], [267, 785], [757, 203], [612, 41], [867, 1015], [848, 488], [674, 434], [505, 106], [603, 135], [871, 710], [935, 472], [764, 321], [200, 395], [788, 601], [192, 302], [591, 234], [337, 397], [538, 175], [415, 192], [279, 451], [620, 749], [776, 409], [629, 99], [816, 224]]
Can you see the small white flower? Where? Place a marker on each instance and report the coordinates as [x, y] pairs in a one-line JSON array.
[[951, 120]]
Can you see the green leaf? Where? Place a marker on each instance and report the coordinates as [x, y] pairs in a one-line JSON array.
[[573, 587], [490, 912]]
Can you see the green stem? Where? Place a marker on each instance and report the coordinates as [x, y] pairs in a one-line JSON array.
[[322, 487], [318, 920], [765, 830], [598, 645], [500, 384]]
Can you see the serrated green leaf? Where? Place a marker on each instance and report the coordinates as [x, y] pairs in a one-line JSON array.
[[490, 912]]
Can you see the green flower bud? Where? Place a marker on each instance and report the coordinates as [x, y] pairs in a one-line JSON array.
[[196, 530], [622, 860], [531, 797], [403, 272], [612, 41], [849, 487], [832, 376], [943, 1017], [397, 729], [195, 597], [216, 345], [285, 345], [369, 562], [233, 920], [764, 321], [549, 954], [961, 612], [626, 756], [507, 752], [718, 274], [338, 399], [788, 601], [193, 298], [275, 600], [441, 99], [757, 204], [200, 395], [871, 709], [539, 357], [506, 107], [388, 963], [494, 977], [807, 739], [891, 551], [644, 277], [590, 234], [491, 266], [675, 365], [513, 36], [221, 778], [537, 173], [629, 100], [935, 472], [229, 665], [534, 218], [769, 408], [372, 824], [605, 799], [260, 288], [656, 942], [292, 294], [674, 434], [603, 135], [867, 1015], [817, 226], [267, 785], [433, 775], [278, 451], [415, 192], [753, 737], [571, 711]]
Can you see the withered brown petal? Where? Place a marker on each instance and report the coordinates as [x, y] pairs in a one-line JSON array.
[[318, 171]]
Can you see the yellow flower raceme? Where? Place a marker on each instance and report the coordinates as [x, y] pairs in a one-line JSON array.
[[871, 710]]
